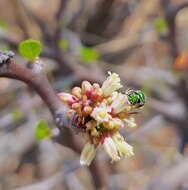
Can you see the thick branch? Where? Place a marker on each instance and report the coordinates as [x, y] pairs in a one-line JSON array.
[[181, 6], [97, 173], [62, 6], [170, 12], [9, 69], [63, 116], [170, 15], [58, 16]]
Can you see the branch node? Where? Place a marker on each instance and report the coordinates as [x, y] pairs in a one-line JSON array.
[[5, 57]]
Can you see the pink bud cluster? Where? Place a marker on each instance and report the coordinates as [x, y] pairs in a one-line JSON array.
[[100, 113]]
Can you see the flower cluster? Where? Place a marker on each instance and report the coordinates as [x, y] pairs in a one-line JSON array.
[[100, 113]]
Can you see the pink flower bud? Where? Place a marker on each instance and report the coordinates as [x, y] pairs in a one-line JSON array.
[[97, 95], [87, 110], [87, 88], [68, 98], [76, 91], [76, 106]]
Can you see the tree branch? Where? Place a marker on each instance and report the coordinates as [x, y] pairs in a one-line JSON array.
[[171, 12], [170, 15], [62, 6], [63, 116], [181, 6], [58, 16]]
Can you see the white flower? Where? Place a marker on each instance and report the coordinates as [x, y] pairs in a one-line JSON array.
[[88, 154], [119, 102], [111, 149], [101, 114], [68, 98], [130, 122], [111, 84], [123, 147]]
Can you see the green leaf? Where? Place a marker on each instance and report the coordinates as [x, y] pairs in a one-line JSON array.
[[89, 54], [16, 115], [3, 25], [30, 49], [160, 24], [42, 131], [63, 44]]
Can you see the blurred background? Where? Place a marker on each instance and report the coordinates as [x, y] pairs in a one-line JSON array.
[[146, 43]]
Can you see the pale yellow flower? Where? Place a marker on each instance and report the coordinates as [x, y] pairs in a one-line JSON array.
[[88, 154], [123, 147], [115, 123], [111, 149], [101, 113], [119, 102], [111, 84], [130, 122]]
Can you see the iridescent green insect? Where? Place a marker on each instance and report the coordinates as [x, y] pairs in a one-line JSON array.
[[136, 98]]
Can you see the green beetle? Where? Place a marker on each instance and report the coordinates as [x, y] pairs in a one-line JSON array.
[[136, 98]]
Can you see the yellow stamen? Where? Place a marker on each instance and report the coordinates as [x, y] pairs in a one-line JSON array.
[[114, 77], [102, 114]]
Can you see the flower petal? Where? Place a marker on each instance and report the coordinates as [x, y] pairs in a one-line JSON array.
[[101, 114], [130, 122], [88, 154], [111, 149], [111, 84], [119, 102], [123, 147]]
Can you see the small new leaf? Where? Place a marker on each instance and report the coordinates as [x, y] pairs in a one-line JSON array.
[[89, 54], [42, 130], [160, 24], [30, 49]]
